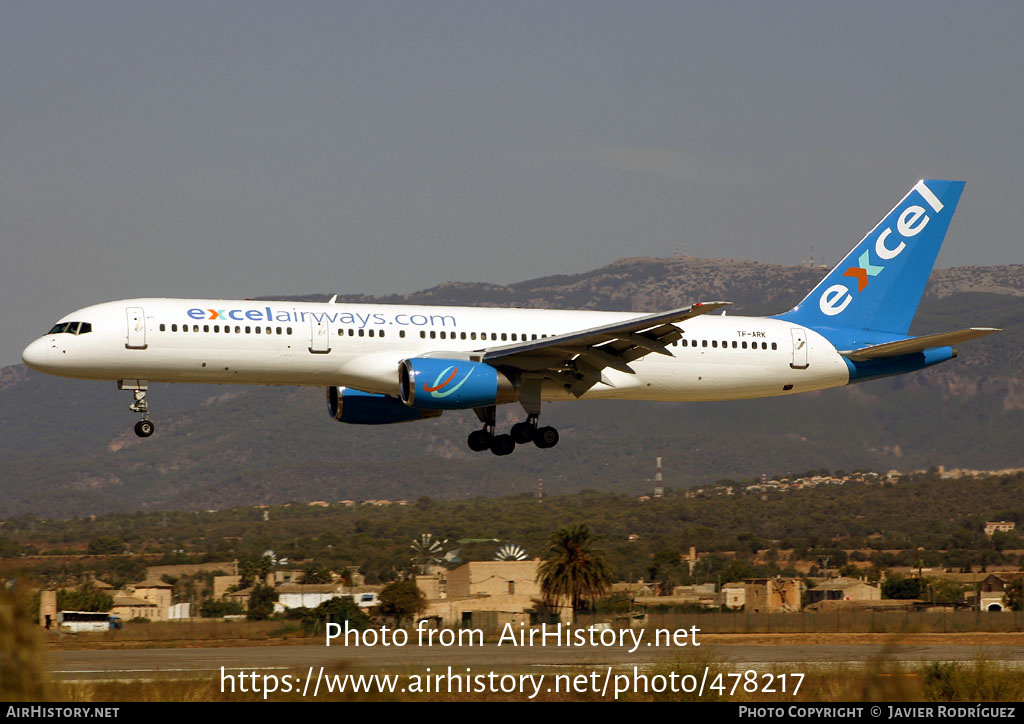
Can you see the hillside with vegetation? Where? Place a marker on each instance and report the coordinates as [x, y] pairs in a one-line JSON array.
[[738, 533], [68, 449]]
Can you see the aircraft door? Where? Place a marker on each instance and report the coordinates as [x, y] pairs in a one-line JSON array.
[[136, 335], [799, 349], [319, 336]]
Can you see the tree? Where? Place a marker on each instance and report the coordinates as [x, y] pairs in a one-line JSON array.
[[261, 602], [335, 610], [316, 575], [401, 599], [898, 586], [218, 609], [106, 545], [86, 598], [1013, 594], [573, 569]]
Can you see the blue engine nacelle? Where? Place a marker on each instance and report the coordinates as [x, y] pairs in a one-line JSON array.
[[452, 384], [365, 408]]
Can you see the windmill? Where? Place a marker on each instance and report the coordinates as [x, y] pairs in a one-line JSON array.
[[427, 552], [510, 552]]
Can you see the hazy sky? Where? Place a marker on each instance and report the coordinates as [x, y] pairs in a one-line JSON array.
[[232, 149]]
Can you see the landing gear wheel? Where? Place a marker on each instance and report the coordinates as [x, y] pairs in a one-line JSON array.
[[480, 440], [144, 428], [503, 445], [545, 437], [523, 432]]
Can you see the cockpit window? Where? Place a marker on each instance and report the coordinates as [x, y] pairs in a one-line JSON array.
[[71, 328]]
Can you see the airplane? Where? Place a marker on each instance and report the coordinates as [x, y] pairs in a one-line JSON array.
[[385, 364]]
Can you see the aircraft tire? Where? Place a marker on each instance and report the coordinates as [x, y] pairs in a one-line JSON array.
[[503, 445], [545, 437], [480, 440], [522, 432], [144, 428]]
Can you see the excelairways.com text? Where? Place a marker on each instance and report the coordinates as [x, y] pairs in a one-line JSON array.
[[602, 682], [357, 319]]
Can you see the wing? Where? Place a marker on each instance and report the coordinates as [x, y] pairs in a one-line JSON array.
[[578, 359]]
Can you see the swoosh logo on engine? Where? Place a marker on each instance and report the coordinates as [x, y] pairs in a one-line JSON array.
[[438, 384], [427, 388]]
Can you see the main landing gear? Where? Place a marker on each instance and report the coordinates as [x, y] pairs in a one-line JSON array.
[[139, 388], [521, 434]]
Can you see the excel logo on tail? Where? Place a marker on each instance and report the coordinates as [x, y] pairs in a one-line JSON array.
[[909, 222], [448, 374]]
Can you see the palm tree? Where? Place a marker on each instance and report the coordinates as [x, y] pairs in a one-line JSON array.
[[573, 569]]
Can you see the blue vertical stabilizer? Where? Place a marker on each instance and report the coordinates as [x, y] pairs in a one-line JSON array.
[[879, 284]]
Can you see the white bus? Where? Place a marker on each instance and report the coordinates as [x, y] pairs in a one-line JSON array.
[[77, 621]]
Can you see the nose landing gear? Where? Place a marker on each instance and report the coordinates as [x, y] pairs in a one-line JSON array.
[[139, 388]]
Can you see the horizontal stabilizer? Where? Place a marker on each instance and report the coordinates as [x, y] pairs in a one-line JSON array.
[[916, 344]]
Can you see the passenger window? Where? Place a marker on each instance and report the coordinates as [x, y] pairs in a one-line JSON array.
[[463, 335], [743, 345], [442, 335], [423, 335], [764, 345], [289, 330], [238, 330], [248, 330], [371, 333], [195, 328], [227, 329], [184, 328], [269, 330], [714, 343], [504, 337], [533, 337], [514, 337], [206, 327], [401, 333], [216, 328], [703, 343], [162, 328], [433, 334], [174, 327], [279, 330], [361, 333], [494, 336], [774, 345], [472, 335], [258, 329], [380, 333]]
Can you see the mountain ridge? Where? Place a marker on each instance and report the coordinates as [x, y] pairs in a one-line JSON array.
[[68, 448]]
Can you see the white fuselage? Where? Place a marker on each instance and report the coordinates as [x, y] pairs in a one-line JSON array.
[[361, 345]]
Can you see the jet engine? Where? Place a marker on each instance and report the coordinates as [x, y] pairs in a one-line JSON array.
[[452, 384], [366, 408]]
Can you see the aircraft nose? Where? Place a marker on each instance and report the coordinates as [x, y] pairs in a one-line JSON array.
[[37, 354]]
